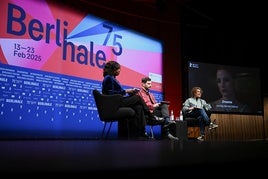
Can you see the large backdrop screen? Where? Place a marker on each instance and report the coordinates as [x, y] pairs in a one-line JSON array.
[[229, 89], [52, 56]]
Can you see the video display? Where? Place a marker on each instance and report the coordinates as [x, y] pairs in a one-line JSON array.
[[229, 89]]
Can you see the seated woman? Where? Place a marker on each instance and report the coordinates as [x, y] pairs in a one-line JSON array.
[[110, 85], [198, 108]]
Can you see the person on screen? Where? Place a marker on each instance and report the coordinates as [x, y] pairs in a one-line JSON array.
[[110, 85], [228, 101], [157, 109], [197, 107]]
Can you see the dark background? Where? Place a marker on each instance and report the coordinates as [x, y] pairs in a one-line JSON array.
[[225, 32], [217, 31]]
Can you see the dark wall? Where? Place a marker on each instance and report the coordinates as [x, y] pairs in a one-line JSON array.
[[224, 32], [155, 20], [221, 32]]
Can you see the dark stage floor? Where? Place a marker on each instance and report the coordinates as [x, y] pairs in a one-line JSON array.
[[135, 158]]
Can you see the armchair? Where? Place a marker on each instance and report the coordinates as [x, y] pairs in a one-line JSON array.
[[193, 124], [109, 110], [153, 123]]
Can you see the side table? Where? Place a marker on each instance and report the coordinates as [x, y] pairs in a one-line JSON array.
[[182, 130]]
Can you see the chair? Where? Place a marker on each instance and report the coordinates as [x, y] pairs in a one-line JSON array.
[[109, 110], [193, 123], [193, 126], [152, 123]]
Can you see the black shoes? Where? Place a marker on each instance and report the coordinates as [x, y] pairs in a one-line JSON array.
[[145, 135], [142, 136], [171, 137], [169, 123], [155, 118], [201, 138], [213, 125]]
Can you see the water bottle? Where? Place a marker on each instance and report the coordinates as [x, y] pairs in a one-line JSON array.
[[181, 116], [171, 115]]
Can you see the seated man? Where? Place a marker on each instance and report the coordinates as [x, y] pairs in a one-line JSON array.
[[157, 109]]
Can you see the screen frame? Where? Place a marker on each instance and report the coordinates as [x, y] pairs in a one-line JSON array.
[[187, 90]]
